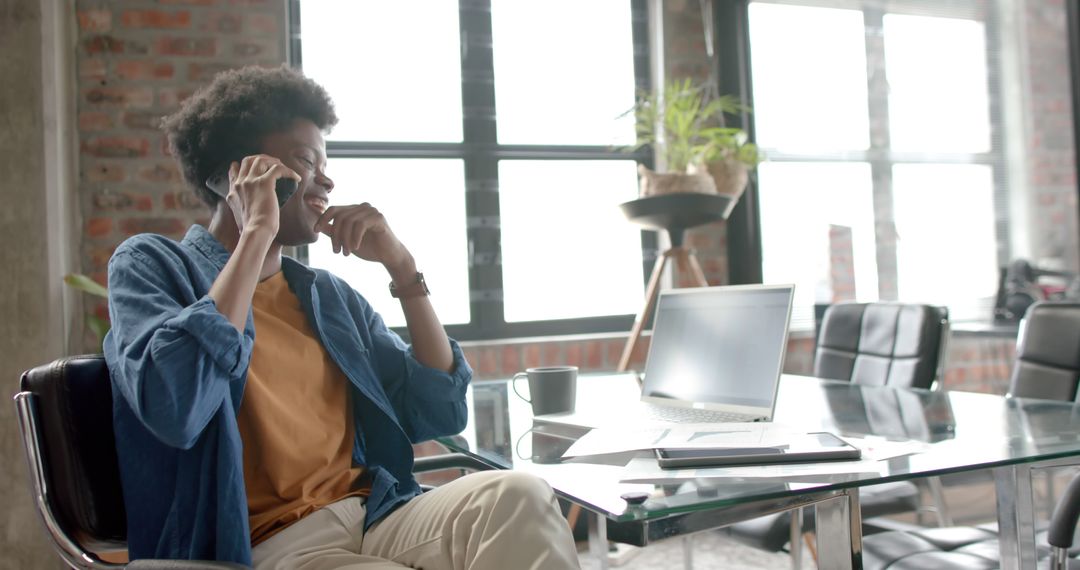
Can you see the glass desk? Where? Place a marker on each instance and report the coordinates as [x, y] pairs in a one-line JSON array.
[[964, 431]]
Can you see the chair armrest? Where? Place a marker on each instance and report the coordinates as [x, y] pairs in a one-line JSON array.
[[1063, 523], [184, 565], [449, 461]]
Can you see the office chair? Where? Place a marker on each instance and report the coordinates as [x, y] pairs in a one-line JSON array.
[[883, 343], [1047, 366], [876, 344], [974, 547], [1048, 353], [65, 414]]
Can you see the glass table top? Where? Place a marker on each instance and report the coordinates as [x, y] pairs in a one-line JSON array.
[[958, 431]]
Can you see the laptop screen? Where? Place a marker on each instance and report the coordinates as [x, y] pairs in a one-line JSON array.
[[719, 345]]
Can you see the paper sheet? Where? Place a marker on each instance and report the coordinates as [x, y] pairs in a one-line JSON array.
[[878, 448], [602, 441]]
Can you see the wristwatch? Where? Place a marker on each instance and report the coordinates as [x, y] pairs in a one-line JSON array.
[[418, 288]]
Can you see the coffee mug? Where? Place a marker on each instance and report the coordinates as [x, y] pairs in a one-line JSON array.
[[553, 388]]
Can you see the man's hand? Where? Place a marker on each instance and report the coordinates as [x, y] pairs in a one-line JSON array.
[[251, 192], [361, 230]]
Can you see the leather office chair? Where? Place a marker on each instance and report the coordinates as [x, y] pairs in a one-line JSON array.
[[1048, 353], [963, 548], [883, 343], [65, 415], [893, 344], [1047, 366]]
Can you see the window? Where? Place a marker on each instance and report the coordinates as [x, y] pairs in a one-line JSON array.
[[489, 133], [882, 126]]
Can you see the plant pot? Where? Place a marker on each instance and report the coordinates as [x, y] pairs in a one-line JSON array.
[[656, 183], [730, 176]]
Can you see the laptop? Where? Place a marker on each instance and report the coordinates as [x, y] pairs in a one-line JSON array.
[[716, 355]]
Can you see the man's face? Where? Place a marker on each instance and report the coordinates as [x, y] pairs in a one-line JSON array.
[[302, 148]]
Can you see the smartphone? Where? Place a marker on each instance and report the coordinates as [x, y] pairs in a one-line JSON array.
[[820, 446], [218, 182]]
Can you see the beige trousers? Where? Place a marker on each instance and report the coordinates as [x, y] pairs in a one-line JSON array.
[[488, 520]]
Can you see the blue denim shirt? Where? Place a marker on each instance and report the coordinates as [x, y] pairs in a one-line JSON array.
[[178, 370]]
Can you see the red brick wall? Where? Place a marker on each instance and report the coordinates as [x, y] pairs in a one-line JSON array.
[[1050, 148], [136, 61]]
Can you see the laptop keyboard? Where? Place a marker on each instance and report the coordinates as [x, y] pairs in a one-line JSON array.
[[693, 415]]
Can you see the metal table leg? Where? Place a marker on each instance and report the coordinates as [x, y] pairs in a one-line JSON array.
[[796, 538], [598, 543], [1016, 516], [839, 524]]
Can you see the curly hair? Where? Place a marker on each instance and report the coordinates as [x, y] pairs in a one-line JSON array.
[[227, 119]]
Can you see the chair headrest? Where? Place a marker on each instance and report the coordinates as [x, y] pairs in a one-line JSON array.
[[73, 397]]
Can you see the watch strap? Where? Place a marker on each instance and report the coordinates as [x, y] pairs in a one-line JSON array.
[[418, 288]]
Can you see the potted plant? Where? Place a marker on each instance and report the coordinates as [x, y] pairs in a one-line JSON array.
[[687, 128]]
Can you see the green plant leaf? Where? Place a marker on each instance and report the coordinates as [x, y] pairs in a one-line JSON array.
[[98, 326], [86, 285], [691, 125]]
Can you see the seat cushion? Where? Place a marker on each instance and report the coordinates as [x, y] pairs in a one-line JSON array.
[[951, 538], [944, 561], [881, 551], [934, 548]]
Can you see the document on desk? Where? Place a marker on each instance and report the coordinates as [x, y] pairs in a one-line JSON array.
[[646, 470], [879, 448], [606, 440]]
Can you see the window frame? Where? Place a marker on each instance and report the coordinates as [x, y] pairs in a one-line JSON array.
[[879, 156], [481, 152]]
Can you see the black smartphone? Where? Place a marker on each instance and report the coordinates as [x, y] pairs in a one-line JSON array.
[[218, 183], [820, 446]]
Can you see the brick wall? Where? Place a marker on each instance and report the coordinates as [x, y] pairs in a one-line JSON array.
[[498, 360], [592, 353], [1051, 173], [136, 61], [685, 58]]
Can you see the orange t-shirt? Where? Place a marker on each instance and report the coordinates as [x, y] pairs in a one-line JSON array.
[[295, 419]]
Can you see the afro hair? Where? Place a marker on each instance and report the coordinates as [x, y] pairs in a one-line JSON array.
[[227, 119]]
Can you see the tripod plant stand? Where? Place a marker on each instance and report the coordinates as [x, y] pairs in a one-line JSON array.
[[673, 213]]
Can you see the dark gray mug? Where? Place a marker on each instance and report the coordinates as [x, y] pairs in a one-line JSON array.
[[553, 388]]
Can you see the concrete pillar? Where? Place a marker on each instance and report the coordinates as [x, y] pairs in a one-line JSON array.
[[32, 172]]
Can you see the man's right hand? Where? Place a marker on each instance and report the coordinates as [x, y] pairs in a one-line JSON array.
[[251, 192]]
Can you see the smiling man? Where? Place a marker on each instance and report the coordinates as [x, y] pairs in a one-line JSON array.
[[264, 414]]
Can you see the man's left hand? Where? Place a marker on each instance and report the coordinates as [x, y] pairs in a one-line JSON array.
[[361, 230]]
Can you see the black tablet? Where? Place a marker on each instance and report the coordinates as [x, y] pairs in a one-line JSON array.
[[821, 446]]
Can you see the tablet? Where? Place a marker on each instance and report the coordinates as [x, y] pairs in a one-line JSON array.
[[821, 446]]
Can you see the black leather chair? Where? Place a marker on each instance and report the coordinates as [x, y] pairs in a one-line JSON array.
[[962, 548], [883, 343], [1047, 366], [65, 414], [1048, 353], [894, 344]]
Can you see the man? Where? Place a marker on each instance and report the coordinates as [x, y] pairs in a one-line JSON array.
[[264, 414]]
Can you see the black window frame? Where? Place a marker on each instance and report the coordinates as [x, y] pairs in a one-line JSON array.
[[745, 243], [481, 152]]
